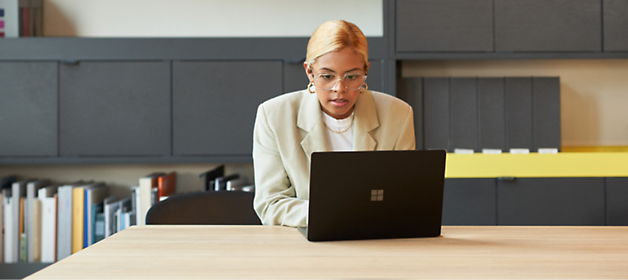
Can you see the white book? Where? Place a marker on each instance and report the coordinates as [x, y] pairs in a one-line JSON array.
[[48, 199], [110, 205], [5, 186], [8, 228], [17, 193], [64, 221], [147, 183], [30, 211]]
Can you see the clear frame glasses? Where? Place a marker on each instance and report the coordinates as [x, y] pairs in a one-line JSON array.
[[352, 80]]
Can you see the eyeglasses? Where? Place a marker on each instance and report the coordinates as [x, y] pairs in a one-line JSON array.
[[352, 81]]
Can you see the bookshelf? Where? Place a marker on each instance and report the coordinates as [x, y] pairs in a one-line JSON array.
[[63, 151]]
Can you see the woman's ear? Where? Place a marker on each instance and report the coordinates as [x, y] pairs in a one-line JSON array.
[[308, 71], [366, 68]]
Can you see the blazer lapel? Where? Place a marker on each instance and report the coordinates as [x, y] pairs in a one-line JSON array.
[[310, 120], [365, 121]]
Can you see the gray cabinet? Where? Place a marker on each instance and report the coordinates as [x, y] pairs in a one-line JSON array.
[[444, 26], [615, 25], [215, 103], [470, 201], [519, 113], [484, 113], [28, 111], [548, 26], [491, 114], [436, 114], [294, 77], [411, 91], [114, 109], [617, 195], [551, 201]]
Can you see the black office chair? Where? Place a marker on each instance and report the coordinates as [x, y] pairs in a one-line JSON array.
[[205, 208]]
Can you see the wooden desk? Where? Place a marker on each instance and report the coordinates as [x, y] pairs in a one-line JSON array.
[[180, 252]]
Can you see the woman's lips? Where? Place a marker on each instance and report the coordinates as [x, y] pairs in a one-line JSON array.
[[339, 102]]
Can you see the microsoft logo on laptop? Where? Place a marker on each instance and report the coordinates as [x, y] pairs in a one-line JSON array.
[[377, 195]]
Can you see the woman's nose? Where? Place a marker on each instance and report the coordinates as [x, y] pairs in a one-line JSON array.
[[340, 85]]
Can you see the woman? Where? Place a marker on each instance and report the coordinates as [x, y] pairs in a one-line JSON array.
[[336, 112]]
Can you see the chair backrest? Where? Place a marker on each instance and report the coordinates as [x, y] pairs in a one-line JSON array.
[[205, 208]]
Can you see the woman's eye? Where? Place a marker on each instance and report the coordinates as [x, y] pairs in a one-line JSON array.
[[352, 77], [327, 77]]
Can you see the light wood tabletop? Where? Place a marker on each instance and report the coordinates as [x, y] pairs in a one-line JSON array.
[[273, 252]]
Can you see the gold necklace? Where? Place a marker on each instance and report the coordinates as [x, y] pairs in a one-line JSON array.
[[340, 132]]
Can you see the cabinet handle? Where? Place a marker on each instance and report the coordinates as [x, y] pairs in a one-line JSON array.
[[512, 178], [294, 60], [70, 61]]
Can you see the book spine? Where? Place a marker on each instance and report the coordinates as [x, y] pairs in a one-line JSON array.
[[64, 223], [78, 212], [48, 229]]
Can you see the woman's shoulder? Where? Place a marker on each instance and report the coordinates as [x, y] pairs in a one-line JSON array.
[[285, 106]]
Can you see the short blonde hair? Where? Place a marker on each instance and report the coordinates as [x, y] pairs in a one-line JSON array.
[[335, 35]]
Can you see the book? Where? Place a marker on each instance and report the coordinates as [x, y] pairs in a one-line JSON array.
[[167, 185], [94, 197], [21, 233], [30, 211], [48, 197], [5, 183], [110, 205], [7, 226], [78, 216], [64, 220], [99, 227], [123, 214], [14, 241], [135, 201], [34, 243], [147, 184], [11, 18]]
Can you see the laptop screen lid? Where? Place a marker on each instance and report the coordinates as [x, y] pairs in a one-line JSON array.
[[375, 195]]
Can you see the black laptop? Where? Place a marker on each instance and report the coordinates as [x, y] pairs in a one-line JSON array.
[[375, 195]]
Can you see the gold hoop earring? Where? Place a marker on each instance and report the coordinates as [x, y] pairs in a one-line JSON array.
[[309, 87], [364, 88]]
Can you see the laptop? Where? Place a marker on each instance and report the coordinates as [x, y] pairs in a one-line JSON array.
[[375, 195]]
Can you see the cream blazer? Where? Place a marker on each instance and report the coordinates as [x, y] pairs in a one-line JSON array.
[[289, 128]]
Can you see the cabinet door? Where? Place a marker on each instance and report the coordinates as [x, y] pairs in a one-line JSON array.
[[436, 114], [28, 109], [294, 76], [491, 113], [470, 201], [411, 90], [615, 25], [519, 113], [551, 201], [215, 103], [444, 25], [617, 195], [548, 26], [115, 109], [546, 107], [375, 75], [464, 113]]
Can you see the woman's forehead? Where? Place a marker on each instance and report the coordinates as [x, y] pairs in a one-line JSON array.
[[341, 61]]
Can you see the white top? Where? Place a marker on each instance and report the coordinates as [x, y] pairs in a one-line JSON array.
[[339, 141]]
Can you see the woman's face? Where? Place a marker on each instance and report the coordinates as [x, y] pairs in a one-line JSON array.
[[337, 100]]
